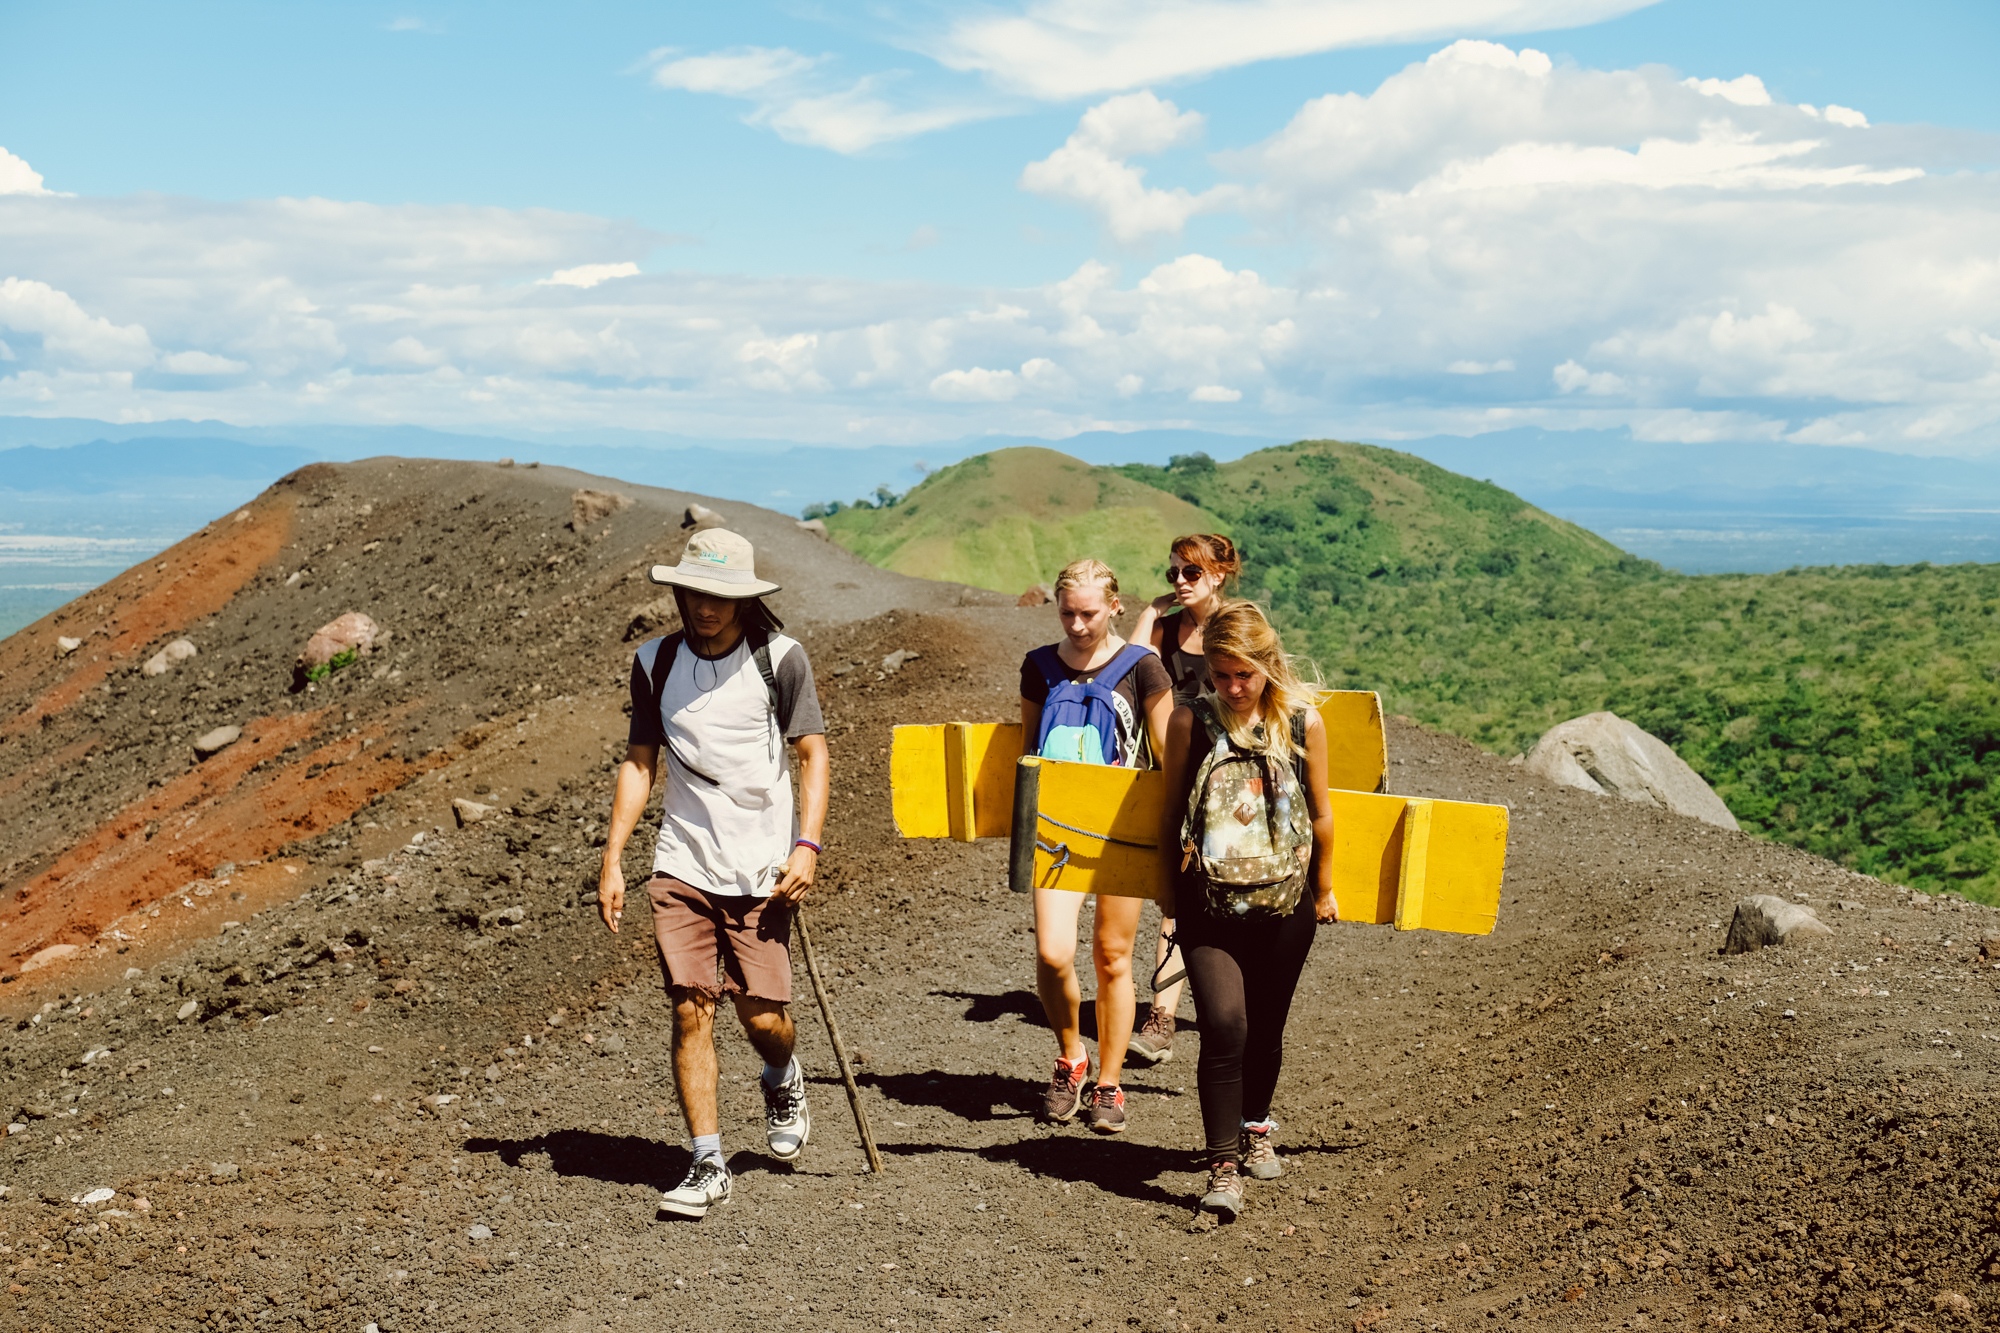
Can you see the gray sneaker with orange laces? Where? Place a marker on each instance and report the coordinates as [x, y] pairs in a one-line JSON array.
[[1064, 1095], [1106, 1110]]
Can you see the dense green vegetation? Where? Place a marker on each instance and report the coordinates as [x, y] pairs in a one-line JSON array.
[[1854, 712]]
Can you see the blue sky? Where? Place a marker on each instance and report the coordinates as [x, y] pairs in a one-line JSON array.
[[903, 222]]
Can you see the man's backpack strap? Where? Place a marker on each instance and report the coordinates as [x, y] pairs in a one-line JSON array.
[[663, 666], [760, 652]]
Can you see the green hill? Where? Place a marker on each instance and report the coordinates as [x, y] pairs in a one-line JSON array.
[[1012, 518], [1854, 712]]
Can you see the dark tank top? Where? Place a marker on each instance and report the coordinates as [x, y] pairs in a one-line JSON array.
[[1188, 671]]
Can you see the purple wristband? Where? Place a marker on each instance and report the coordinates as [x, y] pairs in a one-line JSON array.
[[808, 842]]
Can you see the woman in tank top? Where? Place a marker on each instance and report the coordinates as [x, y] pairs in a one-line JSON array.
[[1201, 567]]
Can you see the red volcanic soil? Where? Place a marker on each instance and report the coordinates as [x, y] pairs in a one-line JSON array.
[[361, 1066]]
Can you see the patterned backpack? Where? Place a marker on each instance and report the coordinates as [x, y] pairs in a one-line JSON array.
[[1248, 828]]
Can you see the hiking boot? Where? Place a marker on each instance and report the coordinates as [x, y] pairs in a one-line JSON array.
[[1225, 1191], [1106, 1114], [705, 1185], [787, 1119], [1260, 1159], [1153, 1043], [1065, 1091]]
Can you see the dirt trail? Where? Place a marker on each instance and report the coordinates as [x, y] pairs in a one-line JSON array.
[[417, 1085]]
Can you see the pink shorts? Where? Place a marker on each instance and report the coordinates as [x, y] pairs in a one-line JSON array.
[[716, 944]]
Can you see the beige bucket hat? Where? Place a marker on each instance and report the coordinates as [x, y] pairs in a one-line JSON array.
[[717, 562]]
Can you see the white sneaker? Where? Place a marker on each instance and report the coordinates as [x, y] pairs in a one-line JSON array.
[[705, 1185], [787, 1118]]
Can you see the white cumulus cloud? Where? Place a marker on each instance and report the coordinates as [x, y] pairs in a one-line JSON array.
[[1091, 168], [17, 177], [587, 275], [201, 363]]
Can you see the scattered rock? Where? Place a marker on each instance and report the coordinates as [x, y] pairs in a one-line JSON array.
[[701, 516], [215, 742], [1952, 1302], [96, 1196], [333, 645], [1849, 905], [221, 1171], [66, 645], [169, 657], [1039, 595], [1604, 754], [506, 462], [36, 1111], [654, 618], [479, 1231], [1763, 920], [469, 812], [1989, 948], [815, 526], [55, 953], [587, 507], [894, 661], [188, 1010], [610, 1044]]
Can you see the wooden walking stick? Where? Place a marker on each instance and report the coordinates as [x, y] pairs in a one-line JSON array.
[[839, 1047]]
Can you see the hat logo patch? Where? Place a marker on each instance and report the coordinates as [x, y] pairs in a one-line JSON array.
[[713, 557]]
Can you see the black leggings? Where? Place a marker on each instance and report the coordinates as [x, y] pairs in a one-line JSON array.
[[1243, 974]]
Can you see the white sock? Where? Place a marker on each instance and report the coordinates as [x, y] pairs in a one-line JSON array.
[[708, 1145], [782, 1076]]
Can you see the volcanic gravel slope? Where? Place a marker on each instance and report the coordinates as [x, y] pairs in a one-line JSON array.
[[410, 1080]]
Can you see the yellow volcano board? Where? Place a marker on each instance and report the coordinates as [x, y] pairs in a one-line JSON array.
[[934, 769], [1417, 863]]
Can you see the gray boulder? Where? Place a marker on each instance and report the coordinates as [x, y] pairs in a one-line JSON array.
[[215, 742], [1605, 754], [1764, 919]]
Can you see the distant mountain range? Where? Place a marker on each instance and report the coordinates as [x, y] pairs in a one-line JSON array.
[[117, 492]]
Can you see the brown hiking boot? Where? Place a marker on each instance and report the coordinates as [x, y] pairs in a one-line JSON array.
[[1153, 1043], [1065, 1091], [1225, 1191], [1106, 1114], [1260, 1159]]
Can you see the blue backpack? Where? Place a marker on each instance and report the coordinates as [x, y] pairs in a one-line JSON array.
[[1088, 721]]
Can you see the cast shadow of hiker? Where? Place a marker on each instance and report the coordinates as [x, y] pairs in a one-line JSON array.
[[1117, 1166], [615, 1159], [973, 1097], [1027, 1007]]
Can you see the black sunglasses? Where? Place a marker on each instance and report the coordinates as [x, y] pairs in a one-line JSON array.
[[1191, 572]]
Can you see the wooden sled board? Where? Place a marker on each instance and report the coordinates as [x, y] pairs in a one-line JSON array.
[[1408, 861], [934, 769]]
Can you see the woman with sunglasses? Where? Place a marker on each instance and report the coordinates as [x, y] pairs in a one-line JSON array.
[[1201, 567]]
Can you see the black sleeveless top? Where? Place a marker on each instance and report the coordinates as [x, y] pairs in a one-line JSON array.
[[1188, 671]]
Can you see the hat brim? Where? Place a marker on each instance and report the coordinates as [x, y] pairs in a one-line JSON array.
[[674, 576]]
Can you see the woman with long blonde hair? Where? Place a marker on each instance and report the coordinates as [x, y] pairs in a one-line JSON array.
[[1091, 698], [1254, 876]]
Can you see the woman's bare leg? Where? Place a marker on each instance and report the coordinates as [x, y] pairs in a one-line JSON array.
[[1056, 913]]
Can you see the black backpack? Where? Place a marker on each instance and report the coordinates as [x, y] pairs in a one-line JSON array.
[[663, 666]]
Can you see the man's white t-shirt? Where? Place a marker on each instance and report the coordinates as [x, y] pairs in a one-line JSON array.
[[727, 821]]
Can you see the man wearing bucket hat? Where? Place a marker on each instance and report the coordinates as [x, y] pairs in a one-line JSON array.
[[721, 699]]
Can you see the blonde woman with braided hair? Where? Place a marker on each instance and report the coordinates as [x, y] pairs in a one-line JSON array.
[[1244, 955], [1091, 698]]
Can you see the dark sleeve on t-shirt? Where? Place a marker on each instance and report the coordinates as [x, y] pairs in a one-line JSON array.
[[646, 728], [1150, 678], [798, 697], [1033, 688]]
